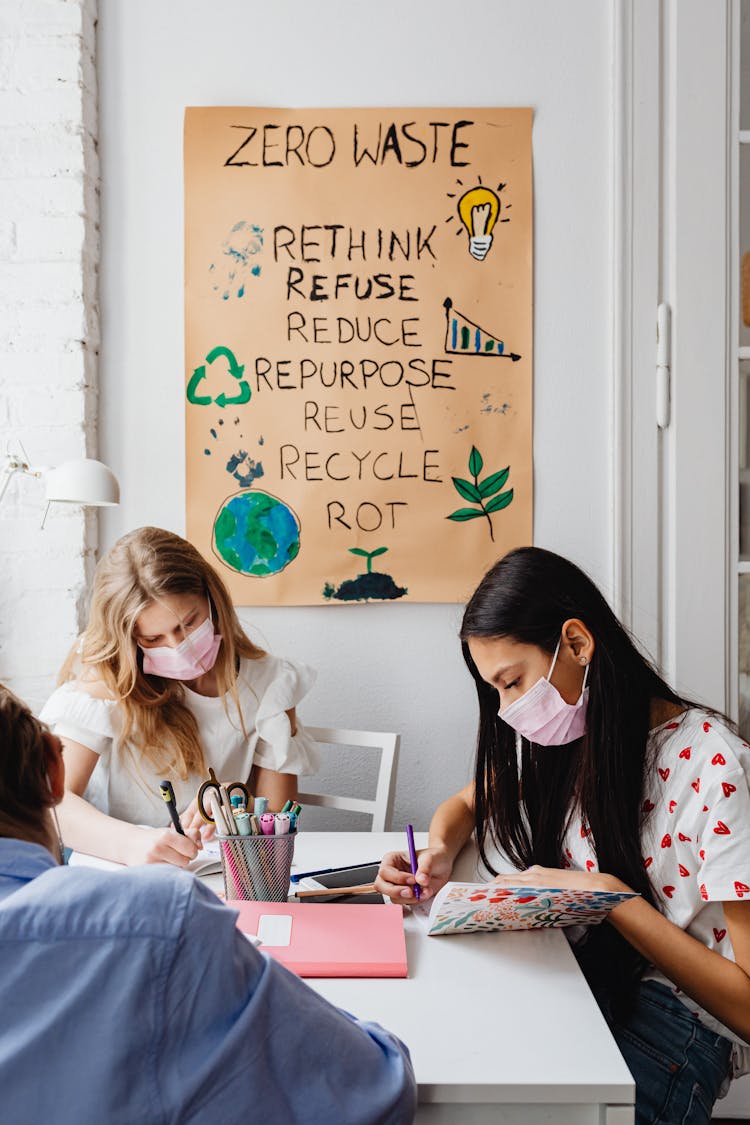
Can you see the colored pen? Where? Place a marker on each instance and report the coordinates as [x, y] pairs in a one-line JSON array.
[[331, 870], [217, 812], [261, 804], [287, 806], [167, 793], [281, 826], [331, 892], [267, 823], [228, 809], [412, 857]]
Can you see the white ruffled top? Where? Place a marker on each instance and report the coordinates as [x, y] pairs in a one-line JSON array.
[[128, 789]]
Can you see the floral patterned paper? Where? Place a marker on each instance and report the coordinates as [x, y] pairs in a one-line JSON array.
[[464, 908]]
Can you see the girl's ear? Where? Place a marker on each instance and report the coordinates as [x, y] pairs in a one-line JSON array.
[[55, 766], [578, 641]]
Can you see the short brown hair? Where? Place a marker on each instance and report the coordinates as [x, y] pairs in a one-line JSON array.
[[25, 794]]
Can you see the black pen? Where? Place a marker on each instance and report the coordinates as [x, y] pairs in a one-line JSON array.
[[167, 793]]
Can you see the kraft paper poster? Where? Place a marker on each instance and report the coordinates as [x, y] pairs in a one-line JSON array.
[[358, 311]]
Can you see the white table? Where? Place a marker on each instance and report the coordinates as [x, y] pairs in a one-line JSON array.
[[502, 1028]]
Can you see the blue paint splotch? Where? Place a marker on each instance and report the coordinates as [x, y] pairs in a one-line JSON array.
[[252, 470], [238, 261], [488, 407]]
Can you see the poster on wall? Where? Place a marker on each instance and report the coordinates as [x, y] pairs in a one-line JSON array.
[[358, 349]]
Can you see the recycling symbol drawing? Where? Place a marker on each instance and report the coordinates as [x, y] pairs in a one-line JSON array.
[[235, 369]]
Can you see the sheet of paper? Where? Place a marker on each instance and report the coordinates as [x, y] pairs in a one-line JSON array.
[[206, 862]]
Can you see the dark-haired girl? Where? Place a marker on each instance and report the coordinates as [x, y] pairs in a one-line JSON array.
[[592, 773]]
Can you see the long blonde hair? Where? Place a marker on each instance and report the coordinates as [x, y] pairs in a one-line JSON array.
[[142, 568]]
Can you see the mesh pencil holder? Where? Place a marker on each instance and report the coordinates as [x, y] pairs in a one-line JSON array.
[[257, 867]]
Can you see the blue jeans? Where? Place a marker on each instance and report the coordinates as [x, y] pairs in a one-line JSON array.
[[678, 1064]]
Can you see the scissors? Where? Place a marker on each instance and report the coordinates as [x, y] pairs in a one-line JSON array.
[[213, 784]]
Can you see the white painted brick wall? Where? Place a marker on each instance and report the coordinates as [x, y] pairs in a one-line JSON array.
[[49, 325]]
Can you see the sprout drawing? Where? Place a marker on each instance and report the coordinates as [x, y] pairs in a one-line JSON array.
[[369, 555], [372, 586], [480, 492]]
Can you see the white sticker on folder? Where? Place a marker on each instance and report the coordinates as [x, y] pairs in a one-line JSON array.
[[275, 929]]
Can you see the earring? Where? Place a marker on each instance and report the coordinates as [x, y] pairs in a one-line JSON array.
[[583, 660]]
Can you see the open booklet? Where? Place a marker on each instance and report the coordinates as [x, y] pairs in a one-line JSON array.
[[465, 908], [207, 861]]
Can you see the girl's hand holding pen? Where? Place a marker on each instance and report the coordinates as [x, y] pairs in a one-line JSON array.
[[396, 881], [162, 845]]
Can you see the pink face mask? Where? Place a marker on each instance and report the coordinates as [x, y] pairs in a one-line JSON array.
[[542, 716], [190, 659]]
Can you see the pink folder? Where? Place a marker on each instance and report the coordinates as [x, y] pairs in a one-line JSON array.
[[328, 939]]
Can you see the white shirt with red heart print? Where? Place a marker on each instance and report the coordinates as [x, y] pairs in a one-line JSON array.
[[695, 839]]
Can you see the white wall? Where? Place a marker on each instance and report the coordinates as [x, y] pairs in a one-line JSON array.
[[388, 667], [48, 324]]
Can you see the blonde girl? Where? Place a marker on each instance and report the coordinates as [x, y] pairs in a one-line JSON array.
[[163, 684]]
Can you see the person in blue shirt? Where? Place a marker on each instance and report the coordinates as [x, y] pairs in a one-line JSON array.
[[132, 996]]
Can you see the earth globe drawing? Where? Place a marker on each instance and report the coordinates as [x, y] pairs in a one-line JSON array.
[[255, 533]]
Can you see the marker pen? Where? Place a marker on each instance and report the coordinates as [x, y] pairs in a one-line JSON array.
[[167, 793], [216, 810]]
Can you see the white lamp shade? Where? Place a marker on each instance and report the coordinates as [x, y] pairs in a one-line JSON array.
[[83, 481]]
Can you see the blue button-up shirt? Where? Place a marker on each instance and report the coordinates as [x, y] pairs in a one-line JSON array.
[[132, 997]]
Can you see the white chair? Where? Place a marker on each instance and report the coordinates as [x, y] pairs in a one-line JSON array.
[[381, 807]]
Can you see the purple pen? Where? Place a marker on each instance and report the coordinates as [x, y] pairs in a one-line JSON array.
[[412, 856]]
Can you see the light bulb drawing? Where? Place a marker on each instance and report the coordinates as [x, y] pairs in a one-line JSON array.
[[479, 209]]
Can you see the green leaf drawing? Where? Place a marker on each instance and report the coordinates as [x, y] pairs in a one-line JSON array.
[[499, 502], [493, 484], [369, 555], [475, 461], [467, 490], [478, 493]]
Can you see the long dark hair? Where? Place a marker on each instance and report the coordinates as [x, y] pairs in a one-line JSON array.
[[528, 595]]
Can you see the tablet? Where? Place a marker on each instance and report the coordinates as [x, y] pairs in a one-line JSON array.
[[345, 877]]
